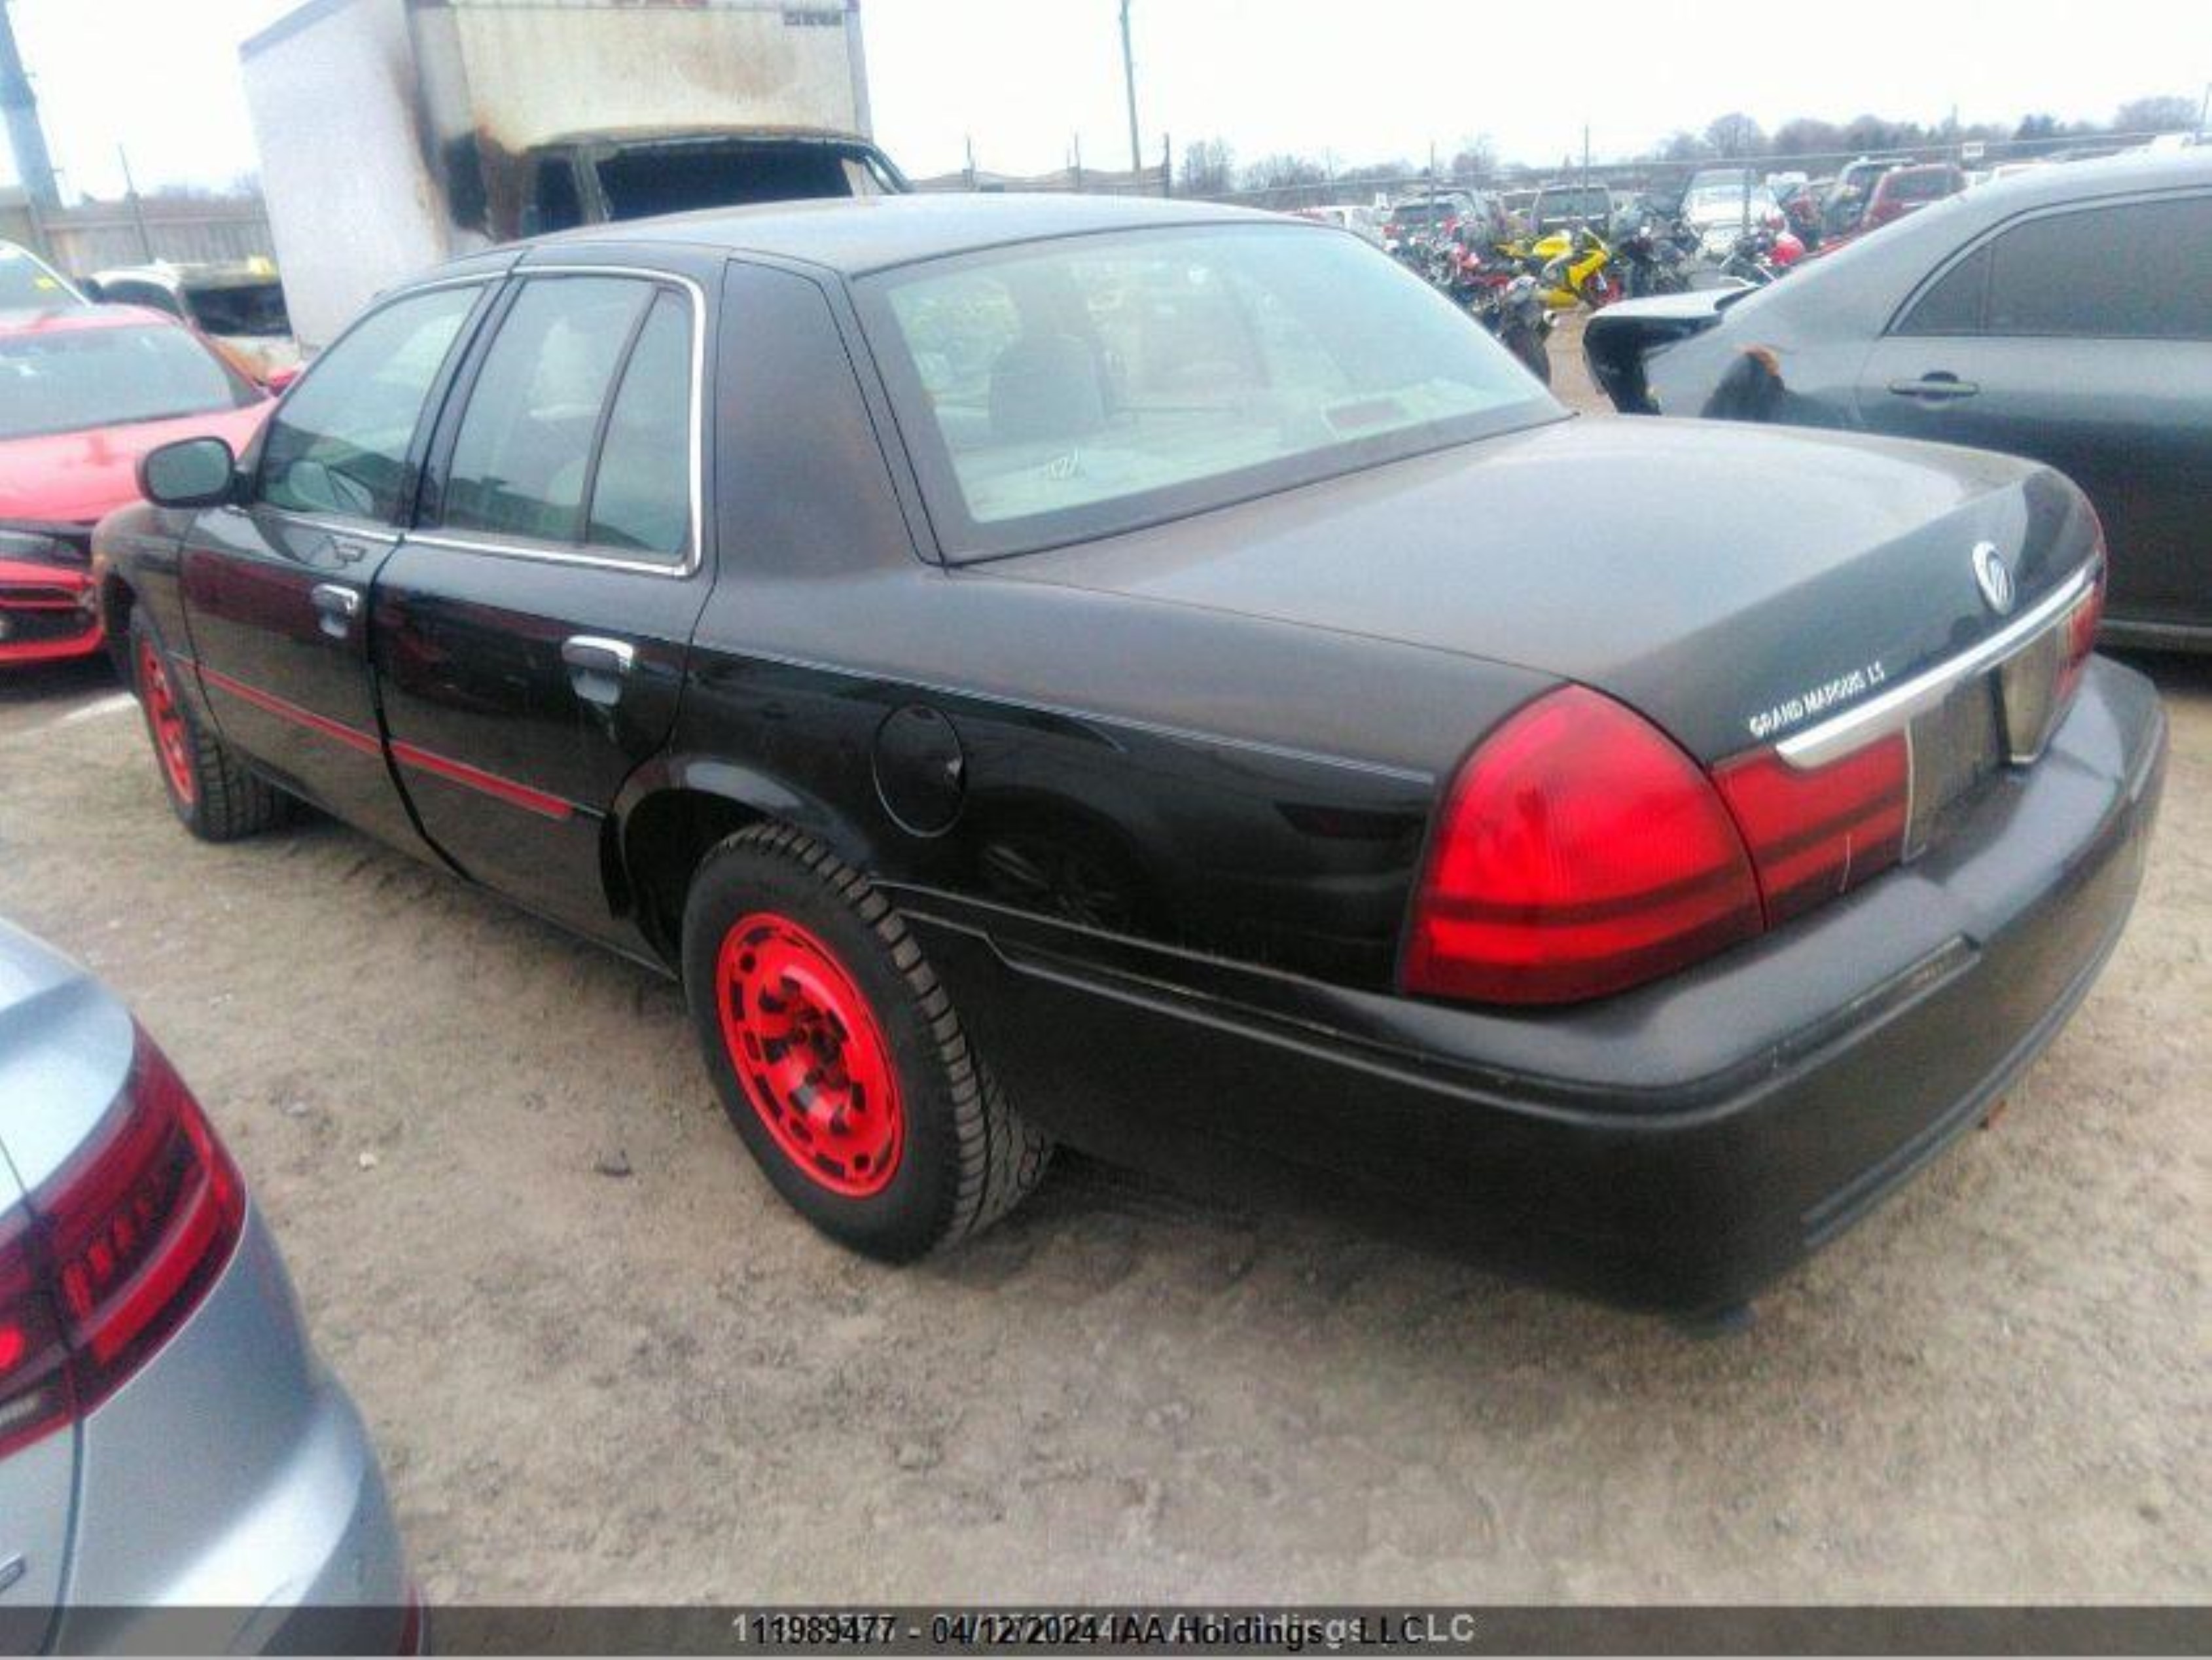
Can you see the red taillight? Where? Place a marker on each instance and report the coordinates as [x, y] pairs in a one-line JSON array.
[[1821, 831], [2081, 625], [1579, 852], [34, 1381], [112, 1252]]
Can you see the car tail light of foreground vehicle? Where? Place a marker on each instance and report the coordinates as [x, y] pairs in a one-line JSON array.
[[1582, 852], [113, 1253]]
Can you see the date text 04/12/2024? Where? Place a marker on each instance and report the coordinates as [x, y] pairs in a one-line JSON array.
[[1238, 1630]]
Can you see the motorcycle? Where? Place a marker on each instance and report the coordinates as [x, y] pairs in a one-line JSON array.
[[1515, 312], [1504, 298], [1763, 254], [1576, 268], [1650, 261]]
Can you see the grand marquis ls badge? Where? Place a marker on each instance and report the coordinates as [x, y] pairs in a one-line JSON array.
[[1994, 576]]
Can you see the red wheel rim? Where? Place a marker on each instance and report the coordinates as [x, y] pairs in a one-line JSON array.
[[810, 1055], [171, 741]]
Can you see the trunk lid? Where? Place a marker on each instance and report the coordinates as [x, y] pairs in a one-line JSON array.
[[1734, 584]]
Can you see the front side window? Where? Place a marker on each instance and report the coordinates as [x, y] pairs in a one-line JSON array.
[[1074, 387], [2110, 273], [77, 380], [338, 442], [2082, 275]]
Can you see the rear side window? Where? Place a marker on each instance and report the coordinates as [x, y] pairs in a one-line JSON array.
[[1953, 306], [519, 462], [338, 442], [2092, 274], [578, 427], [641, 494]]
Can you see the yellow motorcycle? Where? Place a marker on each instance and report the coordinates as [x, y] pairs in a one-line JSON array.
[[1573, 268]]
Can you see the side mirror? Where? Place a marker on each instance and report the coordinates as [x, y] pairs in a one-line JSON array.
[[276, 379], [193, 473]]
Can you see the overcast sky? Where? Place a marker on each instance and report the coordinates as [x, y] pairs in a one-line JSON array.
[[1364, 81]]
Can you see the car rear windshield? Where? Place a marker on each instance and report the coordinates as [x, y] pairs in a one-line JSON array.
[[648, 179], [1074, 388], [1424, 213], [1574, 203], [74, 379], [241, 308]]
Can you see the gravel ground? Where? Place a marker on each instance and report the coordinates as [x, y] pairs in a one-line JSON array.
[[604, 1364]]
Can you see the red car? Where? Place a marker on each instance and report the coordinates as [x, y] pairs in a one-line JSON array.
[[84, 392]]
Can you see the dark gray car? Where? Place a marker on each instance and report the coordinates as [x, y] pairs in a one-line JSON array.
[[2064, 314]]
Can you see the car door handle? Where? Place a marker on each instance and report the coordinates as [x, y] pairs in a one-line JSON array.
[[1939, 387], [336, 607], [597, 665]]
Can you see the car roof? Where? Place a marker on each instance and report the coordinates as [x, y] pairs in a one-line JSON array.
[[2109, 175], [71, 318], [857, 234]]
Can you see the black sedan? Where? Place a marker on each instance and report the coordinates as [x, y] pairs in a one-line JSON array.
[[1157, 677], [2063, 315]]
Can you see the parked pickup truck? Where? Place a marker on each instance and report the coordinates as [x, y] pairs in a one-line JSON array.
[[1071, 670]]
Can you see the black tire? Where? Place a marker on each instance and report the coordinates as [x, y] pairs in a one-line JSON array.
[[213, 793], [967, 1157]]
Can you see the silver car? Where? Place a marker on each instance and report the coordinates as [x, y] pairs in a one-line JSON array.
[[168, 1438]]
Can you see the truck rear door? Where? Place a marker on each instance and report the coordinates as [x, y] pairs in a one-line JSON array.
[[530, 635]]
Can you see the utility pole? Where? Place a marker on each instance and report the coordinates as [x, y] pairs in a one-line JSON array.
[[1129, 84], [18, 105], [138, 207]]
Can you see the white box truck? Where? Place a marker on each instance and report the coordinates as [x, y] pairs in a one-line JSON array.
[[394, 134]]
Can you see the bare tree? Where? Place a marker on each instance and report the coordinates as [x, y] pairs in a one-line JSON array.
[[1804, 136], [1682, 146], [1476, 158], [1283, 170], [2155, 115], [1209, 168], [1735, 135]]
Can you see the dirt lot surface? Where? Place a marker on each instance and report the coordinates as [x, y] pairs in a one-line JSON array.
[[658, 1385]]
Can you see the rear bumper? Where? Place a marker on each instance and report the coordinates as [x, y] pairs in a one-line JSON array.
[[1675, 1147], [228, 1498]]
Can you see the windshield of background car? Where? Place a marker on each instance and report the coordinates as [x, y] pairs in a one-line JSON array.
[[1576, 204], [73, 380], [26, 285], [1074, 388], [1424, 213], [241, 308], [1716, 201]]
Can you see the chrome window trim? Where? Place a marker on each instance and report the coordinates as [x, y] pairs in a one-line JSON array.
[[1893, 710], [582, 553]]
